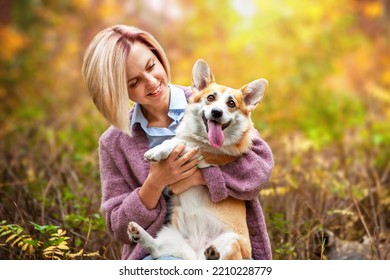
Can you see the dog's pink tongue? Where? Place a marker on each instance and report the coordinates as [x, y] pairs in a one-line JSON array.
[[216, 137]]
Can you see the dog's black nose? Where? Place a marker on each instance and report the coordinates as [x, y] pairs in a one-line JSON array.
[[216, 113]]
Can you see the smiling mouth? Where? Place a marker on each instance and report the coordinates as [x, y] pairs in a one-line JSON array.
[[206, 123], [215, 131], [156, 91]]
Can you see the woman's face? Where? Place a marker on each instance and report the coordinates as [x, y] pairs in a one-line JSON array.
[[147, 81]]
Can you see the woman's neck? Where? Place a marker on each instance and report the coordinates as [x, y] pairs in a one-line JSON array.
[[157, 115]]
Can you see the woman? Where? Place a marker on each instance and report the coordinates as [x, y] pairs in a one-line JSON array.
[[124, 63]]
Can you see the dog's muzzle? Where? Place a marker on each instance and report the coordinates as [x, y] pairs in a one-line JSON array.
[[206, 122], [215, 129]]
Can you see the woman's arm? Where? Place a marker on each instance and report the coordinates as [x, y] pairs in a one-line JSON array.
[[121, 202], [166, 173], [244, 177], [125, 199]]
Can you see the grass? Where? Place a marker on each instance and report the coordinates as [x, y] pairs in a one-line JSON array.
[[326, 119], [49, 177], [337, 188]]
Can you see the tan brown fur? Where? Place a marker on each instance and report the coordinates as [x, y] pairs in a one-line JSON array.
[[217, 159], [240, 102], [245, 143], [209, 89], [221, 159], [239, 251], [223, 132], [236, 252], [215, 87], [232, 212]]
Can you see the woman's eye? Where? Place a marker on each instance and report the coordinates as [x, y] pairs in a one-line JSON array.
[[151, 66], [210, 98], [133, 83], [231, 104]]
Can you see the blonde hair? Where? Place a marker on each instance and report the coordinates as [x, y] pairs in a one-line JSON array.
[[104, 70]]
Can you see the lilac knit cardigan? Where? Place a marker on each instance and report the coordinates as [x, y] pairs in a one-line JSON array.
[[123, 170]]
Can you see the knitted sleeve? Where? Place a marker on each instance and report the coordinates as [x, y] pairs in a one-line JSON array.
[[244, 177], [120, 196]]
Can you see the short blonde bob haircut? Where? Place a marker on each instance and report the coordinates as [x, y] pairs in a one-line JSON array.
[[104, 70]]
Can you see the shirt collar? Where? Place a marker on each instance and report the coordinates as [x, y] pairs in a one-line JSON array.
[[178, 99], [138, 116], [177, 102]]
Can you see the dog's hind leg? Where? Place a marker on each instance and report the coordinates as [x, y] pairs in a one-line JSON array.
[[223, 247], [168, 242], [172, 243], [139, 235]]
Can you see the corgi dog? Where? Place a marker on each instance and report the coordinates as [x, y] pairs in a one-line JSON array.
[[218, 121]]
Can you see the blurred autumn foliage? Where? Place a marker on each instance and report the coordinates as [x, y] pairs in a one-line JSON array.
[[326, 115]]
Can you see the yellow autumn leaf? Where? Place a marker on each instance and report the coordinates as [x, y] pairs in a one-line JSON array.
[[78, 254], [108, 9], [16, 241], [12, 236], [58, 252], [379, 92], [385, 201], [81, 4], [93, 254], [63, 246], [72, 47], [342, 212], [6, 232], [12, 41], [31, 249], [49, 249], [275, 191], [25, 246], [385, 78], [374, 9], [31, 173]]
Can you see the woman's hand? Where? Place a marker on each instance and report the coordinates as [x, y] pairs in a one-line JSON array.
[[195, 179], [167, 172], [175, 167]]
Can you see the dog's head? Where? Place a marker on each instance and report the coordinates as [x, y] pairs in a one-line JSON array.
[[225, 112]]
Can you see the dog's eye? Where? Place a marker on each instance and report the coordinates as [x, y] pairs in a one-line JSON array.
[[231, 104], [211, 98]]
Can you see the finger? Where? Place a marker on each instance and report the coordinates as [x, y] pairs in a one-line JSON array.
[[189, 172], [189, 164], [189, 155], [177, 151]]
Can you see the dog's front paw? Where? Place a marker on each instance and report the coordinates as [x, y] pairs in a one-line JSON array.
[[156, 154], [161, 151], [134, 232], [211, 253]]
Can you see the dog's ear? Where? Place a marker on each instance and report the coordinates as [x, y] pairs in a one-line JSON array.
[[254, 92], [201, 75]]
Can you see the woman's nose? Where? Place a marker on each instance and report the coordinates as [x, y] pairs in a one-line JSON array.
[[151, 80]]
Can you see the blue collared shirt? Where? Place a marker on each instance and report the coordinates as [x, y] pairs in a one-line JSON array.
[[157, 135]]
